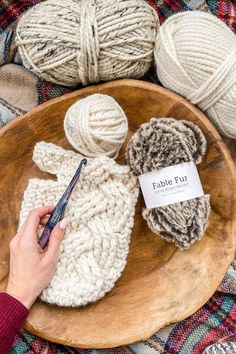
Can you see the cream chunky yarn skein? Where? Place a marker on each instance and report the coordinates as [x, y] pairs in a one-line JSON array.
[[71, 42], [161, 143], [195, 55], [96, 125], [101, 215]]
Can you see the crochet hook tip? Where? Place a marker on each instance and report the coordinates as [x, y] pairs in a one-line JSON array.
[[84, 162]]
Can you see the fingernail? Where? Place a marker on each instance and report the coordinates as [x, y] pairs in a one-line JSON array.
[[64, 223]]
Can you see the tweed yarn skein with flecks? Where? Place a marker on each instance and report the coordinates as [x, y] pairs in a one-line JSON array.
[[72, 42], [195, 56], [101, 210], [161, 143], [96, 125]]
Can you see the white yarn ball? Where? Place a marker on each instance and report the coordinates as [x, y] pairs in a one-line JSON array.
[[71, 42], [96, 125], [195, 55]]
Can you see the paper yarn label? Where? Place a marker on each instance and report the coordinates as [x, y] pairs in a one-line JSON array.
[[170, 185]]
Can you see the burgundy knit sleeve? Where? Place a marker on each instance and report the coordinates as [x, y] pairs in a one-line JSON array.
[[12, 316]]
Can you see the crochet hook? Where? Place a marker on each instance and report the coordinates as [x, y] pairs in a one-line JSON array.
[[59, 209]]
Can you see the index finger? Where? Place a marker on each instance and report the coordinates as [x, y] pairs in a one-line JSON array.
[[33, 220]]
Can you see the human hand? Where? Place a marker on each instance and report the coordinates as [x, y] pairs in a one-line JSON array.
[[31, 267]]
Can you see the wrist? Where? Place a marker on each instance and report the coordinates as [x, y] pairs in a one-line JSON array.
[[21, 295]]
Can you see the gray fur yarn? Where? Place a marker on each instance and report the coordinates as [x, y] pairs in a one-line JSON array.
[[164, 142]]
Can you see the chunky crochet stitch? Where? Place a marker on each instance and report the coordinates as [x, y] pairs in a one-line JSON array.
[[71, 42], [101, 215], [96, 125], [161, 143], [195, 56], [221, 348]]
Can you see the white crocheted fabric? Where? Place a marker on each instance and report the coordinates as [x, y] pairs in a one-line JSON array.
[[101, 214]]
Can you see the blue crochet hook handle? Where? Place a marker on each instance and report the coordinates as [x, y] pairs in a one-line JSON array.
[[60, 208]]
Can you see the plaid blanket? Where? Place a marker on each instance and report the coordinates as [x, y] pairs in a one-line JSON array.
[[20, 91]]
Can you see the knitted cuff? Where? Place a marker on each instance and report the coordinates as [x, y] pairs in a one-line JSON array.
[[12, 316], [12, 309]]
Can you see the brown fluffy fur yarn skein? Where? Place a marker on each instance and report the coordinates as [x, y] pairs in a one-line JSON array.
[[161, 143]]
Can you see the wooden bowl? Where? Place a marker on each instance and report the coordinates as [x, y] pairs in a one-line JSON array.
[[160, 284]]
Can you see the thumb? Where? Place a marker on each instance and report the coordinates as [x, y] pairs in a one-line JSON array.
[[56, 238]]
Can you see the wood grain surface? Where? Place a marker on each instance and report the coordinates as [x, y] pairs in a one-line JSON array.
[[160, 284]]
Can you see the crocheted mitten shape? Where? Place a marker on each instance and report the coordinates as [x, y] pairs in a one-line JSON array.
[[161, 143], [101, 215]]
